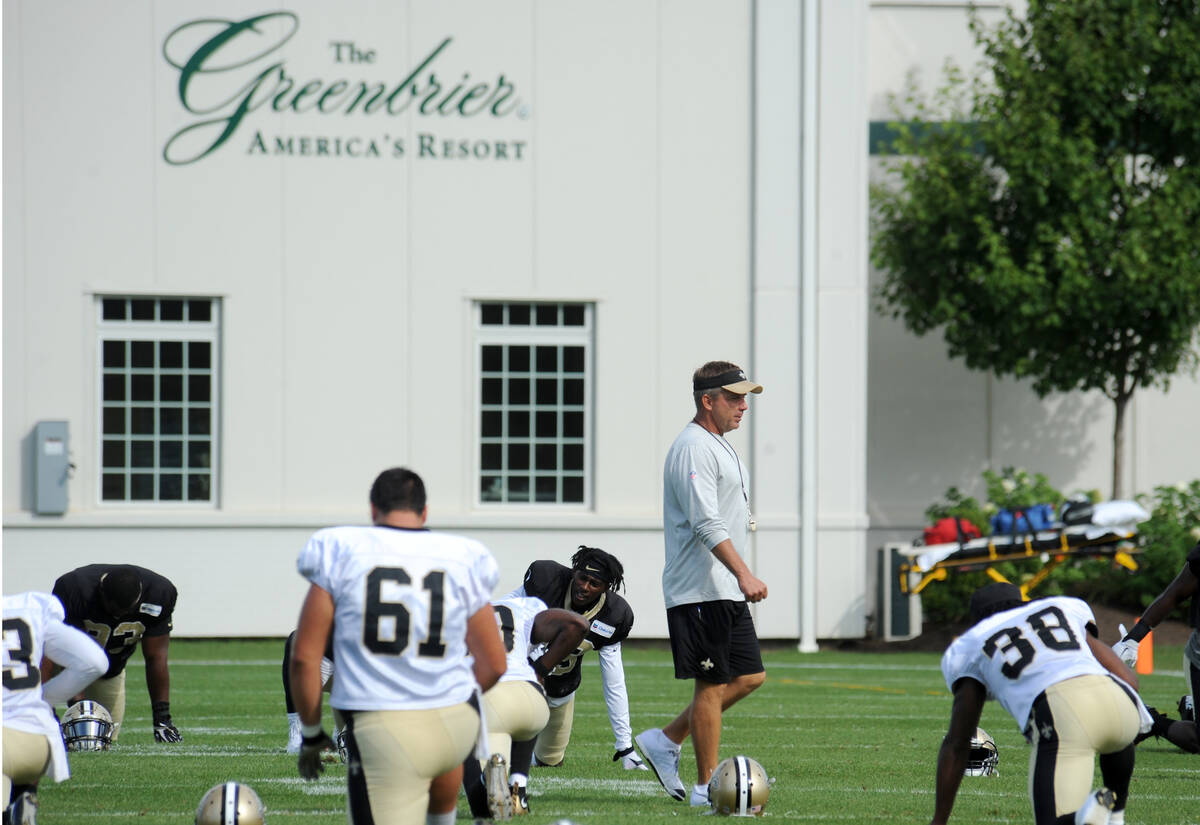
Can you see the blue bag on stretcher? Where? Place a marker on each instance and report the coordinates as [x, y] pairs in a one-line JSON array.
[[1030, 520]]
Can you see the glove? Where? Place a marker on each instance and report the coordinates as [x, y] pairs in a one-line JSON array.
[[164, 729], [629, 759], [1126, 649], [310, 763]]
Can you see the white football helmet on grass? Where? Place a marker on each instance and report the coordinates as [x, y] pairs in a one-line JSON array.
[[739, 787], [230, 803], [87, 726], [983, 756]]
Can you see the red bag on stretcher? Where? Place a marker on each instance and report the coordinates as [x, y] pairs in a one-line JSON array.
[[951, 530]]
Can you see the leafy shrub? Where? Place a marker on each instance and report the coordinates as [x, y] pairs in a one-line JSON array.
[[1015, 489], [960, 506], [946, 602]]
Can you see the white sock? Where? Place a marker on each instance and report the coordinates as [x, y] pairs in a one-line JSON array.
[[700, 790], [440, 819], [518, 779], [293, 719], [1117, 818]]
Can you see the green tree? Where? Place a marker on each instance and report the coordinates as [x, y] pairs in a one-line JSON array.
[[1045, 214]]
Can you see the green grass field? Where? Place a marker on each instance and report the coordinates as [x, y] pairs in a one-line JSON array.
[[848, 737]]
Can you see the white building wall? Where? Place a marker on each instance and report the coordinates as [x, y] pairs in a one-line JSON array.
[[347, 283]]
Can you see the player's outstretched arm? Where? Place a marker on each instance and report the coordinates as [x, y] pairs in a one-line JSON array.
[[81, 660], [969, 696], [561, 631], [616, 699], [308, 648], [158, 684], [1183, 587]]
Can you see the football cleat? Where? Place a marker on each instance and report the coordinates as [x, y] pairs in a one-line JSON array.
[[294, 734], [339, 739], [230, 803], [983, 757], [520, 800], [499, 794], [1187, 709], [739, 787], [87, 726], [1097, 808]]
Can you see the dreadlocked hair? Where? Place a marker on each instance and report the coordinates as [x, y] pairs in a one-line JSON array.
[[595, 557]]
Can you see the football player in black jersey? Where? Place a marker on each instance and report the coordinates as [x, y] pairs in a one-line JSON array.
[[120, 605], [587, 587], [1183, 733]]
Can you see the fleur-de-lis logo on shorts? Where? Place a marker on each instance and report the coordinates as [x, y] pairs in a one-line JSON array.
[[707, 664]]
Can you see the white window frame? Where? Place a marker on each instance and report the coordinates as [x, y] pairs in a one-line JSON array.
[[533, 336], [160, 331]]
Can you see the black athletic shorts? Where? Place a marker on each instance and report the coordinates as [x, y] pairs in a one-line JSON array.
[[713, 641]]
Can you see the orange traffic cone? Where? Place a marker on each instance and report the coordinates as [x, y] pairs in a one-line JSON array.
[[1145, 660]]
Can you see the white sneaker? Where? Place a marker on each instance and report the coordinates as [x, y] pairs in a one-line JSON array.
[[663, 757], [294, 737], [499, 793], [1097, 808], [699, 797]]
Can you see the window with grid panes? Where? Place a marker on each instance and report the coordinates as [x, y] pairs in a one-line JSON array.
[[534, 396], [158, 399]]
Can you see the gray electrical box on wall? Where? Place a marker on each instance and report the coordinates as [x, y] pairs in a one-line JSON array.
[[51, 467]]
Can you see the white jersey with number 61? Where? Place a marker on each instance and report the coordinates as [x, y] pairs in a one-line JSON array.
[[402, 598]]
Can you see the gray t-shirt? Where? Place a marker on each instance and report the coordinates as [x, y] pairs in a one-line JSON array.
[[706, 490]]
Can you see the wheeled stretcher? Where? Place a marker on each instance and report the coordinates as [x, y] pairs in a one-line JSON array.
[[1049, 547]]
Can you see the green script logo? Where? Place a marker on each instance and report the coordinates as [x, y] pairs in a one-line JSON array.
[[235, 70]]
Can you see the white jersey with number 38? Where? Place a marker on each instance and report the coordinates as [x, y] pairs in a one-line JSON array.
[[402, 599], [1019, 653]]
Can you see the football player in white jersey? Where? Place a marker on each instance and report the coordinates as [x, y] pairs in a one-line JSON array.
[[413, 634], [33, 744], [1071, 696], [516, 708]]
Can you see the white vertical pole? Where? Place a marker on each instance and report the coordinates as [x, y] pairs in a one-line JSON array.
[[808, 326]]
